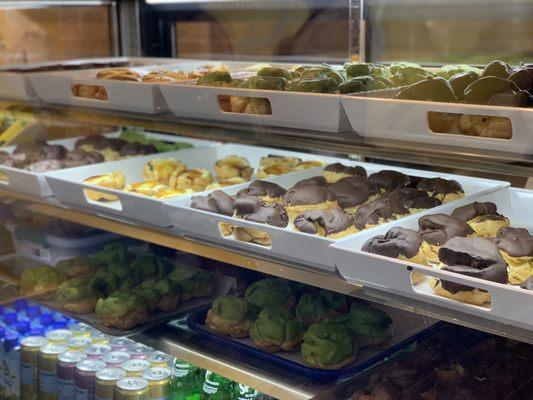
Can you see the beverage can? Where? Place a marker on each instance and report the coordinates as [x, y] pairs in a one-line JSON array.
[[96, 351], [98, 337], [78, 343], [159, 379], [135, 367], [65, 368], [84, 378], [114, 359], [11, 365], [105, 381], [132, 388], [80, 330], [48, 370], [138, 350], [29, 366], [59, 336], [118, 343], [160, 359]]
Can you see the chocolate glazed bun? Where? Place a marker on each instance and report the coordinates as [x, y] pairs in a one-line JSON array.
[[263, 189], [325, 222], [315, 180], [348, 195], [415, 200], [379, 211], [397, 241], [253, 209], [389, 179], [473, 210], [482, 217], [217, 202], [77, 158], [307, 194], [346, 169], [516, 246], [444, 189], [437, 229]]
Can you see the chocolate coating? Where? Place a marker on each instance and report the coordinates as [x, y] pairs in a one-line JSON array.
[[437, 229], [29, 146], [261, 189], [349, 195], [359, 181], [315, 180], [135, 148], [385, 208], [332, 221], [96, 141], [517, 242], [439, 186], [253, 209], [413, 198], [345, 169], [45, 166], [307, 194], [473, 210], [216, 201], [389, 179], [77, 158], [397, 241]]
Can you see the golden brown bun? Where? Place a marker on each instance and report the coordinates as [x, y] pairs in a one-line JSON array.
[[272, 347], [485, 126], [128, 321], [474, 296], [233, 167], [227, 327], [252, 236], [113, 180]]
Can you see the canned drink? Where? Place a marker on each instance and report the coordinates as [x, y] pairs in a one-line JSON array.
[[159, 382], [78, 343], [135, 367], [138, 350], [160, 359], [96, 351], [132, 388], [81, 330], [84, 378], [48, 370], [29, 366], [115, 359], [99, 338], [119, 343], [105, 381], [66, 366], [59, 336]]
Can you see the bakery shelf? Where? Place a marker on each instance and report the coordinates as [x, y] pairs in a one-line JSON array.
[[268, 265]]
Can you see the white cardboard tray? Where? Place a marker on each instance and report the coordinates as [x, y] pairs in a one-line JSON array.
[[68, 186], [509, 304], [287, 244], [32, 183], [407, 120]]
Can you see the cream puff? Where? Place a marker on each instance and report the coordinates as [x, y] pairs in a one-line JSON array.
[[233, 166], [216, 202], [273, 159], [303, 165], [268, 192], [389, 179], [161, 169], [482, 217], [119, 74], [230, 182], [352, 193], [379, 211], [168, 193], [273, 170], [516, 247], [194, 179], [337, 171], [164, 75], [303, 198], [332, 224], [146, 188], [414, 200], [445, 190], [113, 180]]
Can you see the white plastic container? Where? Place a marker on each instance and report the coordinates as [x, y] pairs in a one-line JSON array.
[[509, 304], [287, 244]]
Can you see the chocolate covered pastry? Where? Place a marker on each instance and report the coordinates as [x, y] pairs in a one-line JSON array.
[[475, 257], [403, 244], [136, 149], [45, 166], [336, 171], [413, 199], [379, 211], [266, 191], [443, 189], [303, 198], [217, 202], [388, 179], [516, 247], [78, 158], [482, 217], [315, 180], [332, 223], [350, 196]]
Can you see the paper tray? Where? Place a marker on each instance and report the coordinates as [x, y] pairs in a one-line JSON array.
[[509, 304], [68, 186], [287, 244], [407, 120], [35, 184], [407, 328]]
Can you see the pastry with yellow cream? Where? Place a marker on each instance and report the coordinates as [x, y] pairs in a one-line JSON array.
[[273, 170], [516, 247], [332, 224], [308, 197], [146, 188], [232, 167], [194, 179], [161, 169], [337, 171], [445, 190], [303, 165], [273, 159], [113, 180], [268, 192], [230, 182], [482, 217]]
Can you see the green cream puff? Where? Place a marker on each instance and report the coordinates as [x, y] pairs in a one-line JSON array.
[[371, 326], [270, 292], [230, 316], [275, 329]]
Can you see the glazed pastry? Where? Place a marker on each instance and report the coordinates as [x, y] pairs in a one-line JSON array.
[[379, 211], [136, 149], [152, 297], [217, 202], [253, 209], [403, 244], [164, 75], [41, 282], [230, 182], [388, 179], [303, 165], [413, 199], [233, 167], [161, 170], [169, 294], [371, 326], [77, 267], [267, 192], [516, 246], [78, 158], [167, 193], [483, 89], [45, 166], [119, 74], [273, 159], [332, 224], [122, 310], [337, 171], [78, 295], [443, 189], [315, 180], [350, 194], [270, 292], [482, 217], [483, 126], [194, 282], [303, 198], [193, 179], [113, 180], [275, 329], [146, 188], [429, 89], [475, 257], [328, 345], [230, 316], [273, 170], [316, 307]]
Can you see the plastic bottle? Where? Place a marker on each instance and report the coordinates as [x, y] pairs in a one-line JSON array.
[[243, 392], [23, 328], [11, 359], [187, 381], [216, 387], [10, 318]]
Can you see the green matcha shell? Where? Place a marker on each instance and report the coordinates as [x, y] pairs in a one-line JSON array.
[[77, 289], [231, 308], [119, 304], [270, 292], [366, 321], [276, 325], [42, 277], [328, 343]]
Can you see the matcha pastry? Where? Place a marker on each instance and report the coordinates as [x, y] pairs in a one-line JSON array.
[[79, 295], [230, 316], [270, 292], [41, 282], [316, 307], [372, 326], [193, 282], [152, 266], [275, 329], [113, 252], [77, 267], [170, 294], [122, 310], [147, 291]]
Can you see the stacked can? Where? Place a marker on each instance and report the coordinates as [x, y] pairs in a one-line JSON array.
[[138, 350], [135, 367], [98, 337], [29, 366], [48, 370], [59, 336], [106, 381], [80, 330], [66, 367], [78, 343], [160, 359], [84, 378], [132, 388], [96, 351], [118, 343], [159, 382]]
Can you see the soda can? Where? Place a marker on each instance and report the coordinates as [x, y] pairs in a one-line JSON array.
[[159, 382], [84, 378], [105, 381], [160, 359], [48, 370], [81, 330], [135, 367], [96, 351], [59, 336], [119, 343], [29, 366], [78, 343], [114, 359], [98, 337], [132, 388], [138, 350], [66, 366]]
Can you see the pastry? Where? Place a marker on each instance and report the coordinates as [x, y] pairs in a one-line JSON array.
[[275, 329], [169, 293], [273, 170], [230, 182], [120, 74], [337, 171], [267, 192], [232, 167], [164, 75], [379, 211], [78, 158], [41, 282], [483, 89], [146, 188], [45, 166], [168, 193], [443, 189], [413, 199], [429, 89], [371, 326], [195, 179], [318, 306], [78, 295], [161, 170], [332, 224], [270, 292], [516, 247], [303, 198], [77, 267], [113, 180], [217, 202], [475, 257], [122, 310], [303, 165], [151, 297], [350, 194], [136, 149], [315, 180], [328, 345], [253, 209], [273, 159], [230, 316], [388, 179], [482, 217], [485, 126], [403, 244], [194, 282]]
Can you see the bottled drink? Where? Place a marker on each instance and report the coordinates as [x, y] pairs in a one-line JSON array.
[[187, 381], [11, 360], [216, 387], [243, 392]]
